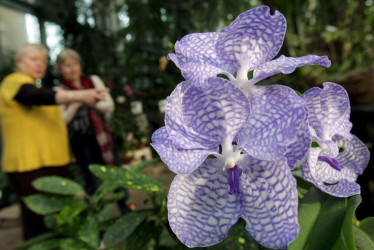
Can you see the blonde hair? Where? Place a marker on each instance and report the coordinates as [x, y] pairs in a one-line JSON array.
[[65, 53], [24, 49]]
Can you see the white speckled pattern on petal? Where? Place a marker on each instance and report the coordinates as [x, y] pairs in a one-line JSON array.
[[180, 161], [201, 211], [272, 125], [270, 202], [217, 109], [253, 38]]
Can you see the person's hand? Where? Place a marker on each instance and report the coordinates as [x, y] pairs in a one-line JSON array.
[[91, 96], [76, 105]]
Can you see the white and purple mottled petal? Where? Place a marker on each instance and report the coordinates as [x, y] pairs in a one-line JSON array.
[[354, 156], [201, 210], [253, 38], [180, 161], [287, 65], [183, 136], [217, 109], [272, 125], [195, 55], [270, 201], [327, 177], [277, 90], [297, 150], [336, 107], [328, 111]]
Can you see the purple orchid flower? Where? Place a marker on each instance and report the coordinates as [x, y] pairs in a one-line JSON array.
[[340, 157], [249, 43], [245, 174]]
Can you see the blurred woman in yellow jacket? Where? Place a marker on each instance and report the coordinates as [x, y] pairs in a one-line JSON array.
[[35, 140]]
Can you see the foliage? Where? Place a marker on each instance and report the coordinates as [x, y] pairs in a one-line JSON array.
[[78, 221]]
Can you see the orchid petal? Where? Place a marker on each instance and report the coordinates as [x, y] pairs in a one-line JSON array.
[[335, 103], [328, 111], [278, 90], [354, 156], [195, 55], [297, 150], [326, 178], [217, 109], [201, 211], [253, 38], [287, 65], [272, 125], [182, 136], [270, 202], [180, 161]]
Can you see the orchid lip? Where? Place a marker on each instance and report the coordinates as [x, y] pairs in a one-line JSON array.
[[233, 177], [332, 162]]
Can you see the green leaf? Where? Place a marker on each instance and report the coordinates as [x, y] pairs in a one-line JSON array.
[[141, 237], [237, 238], [346, 237], [105, 214], [124, 226], [35, 240], [367, 225], [45, 204], [70, 211], [320, 219], [47, 245], [89, 232], [58, 185], [143, 165], [126, 178], [363, 241]]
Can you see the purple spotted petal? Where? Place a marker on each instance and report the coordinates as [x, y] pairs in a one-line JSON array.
[[195, 55], [335, 103], [297, 150], [201, 211], [326, 178], [328, 111], [277, 90], [272, 125], [287, 65], [183, 136], [180, 161], [216, 110], [253, 38], [270, 202], [354, 156]]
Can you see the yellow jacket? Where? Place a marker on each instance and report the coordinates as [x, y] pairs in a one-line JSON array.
[[33, 136]]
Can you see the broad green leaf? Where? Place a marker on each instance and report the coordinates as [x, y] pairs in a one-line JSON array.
[[346, 237], [363, 241], [58, 185], [320, 219], [74, 244], [124, 226], [105, 214], [48, 244], [105, 188], [70, 211], [126, 178], [303, 186], [141, 237], [89, 232], [35, 240], [237, 238], [143, 165], [45, 204], [367, 225]]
